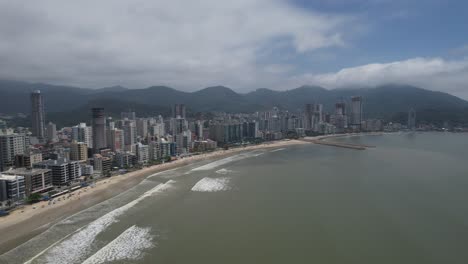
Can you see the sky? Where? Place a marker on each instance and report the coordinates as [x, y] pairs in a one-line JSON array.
[[242, 44]]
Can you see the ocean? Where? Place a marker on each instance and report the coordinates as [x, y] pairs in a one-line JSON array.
[[404, 201]]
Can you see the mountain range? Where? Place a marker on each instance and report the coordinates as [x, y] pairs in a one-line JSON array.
[[68, 105]]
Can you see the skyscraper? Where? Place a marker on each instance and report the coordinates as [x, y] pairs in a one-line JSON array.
[[83, 133], [178, 111], [52, 132], [356, 111], [10, 146], [308, 116], [99, 129], [37, 115], [412, 119]]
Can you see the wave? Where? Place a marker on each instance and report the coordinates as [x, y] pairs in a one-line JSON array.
[[223, 171], [275, 150], [227, 160], [127, 246], [76, 246], [212, 185]]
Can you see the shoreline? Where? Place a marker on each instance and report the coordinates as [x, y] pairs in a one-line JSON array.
[[27, 222]]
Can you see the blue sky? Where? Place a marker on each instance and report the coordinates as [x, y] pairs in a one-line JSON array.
[[395, 30], [242, 44]]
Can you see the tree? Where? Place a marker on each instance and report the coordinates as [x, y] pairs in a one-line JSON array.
[[34, 198]]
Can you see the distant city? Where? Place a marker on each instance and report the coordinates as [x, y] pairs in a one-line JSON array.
[[42, 162]]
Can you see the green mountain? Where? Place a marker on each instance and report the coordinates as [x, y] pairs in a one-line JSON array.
[[69, 105]]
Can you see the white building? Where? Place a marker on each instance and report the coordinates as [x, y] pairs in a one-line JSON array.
[[83, 133], [142, 152]]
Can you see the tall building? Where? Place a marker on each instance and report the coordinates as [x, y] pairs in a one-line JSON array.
[[51, 132], [142, 127], [356, 111], [116, 141], [128, 115], [78, 151], [63, 171], [142, 153], [102, 164], [10, 146], [178, 110], [29, 158], [37, 115], [412, 119], [130, 133], [99, 129], [12, 188], [36, 180], [308, 116], [83, 133]]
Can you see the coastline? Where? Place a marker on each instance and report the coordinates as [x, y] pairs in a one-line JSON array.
[[23, 224]]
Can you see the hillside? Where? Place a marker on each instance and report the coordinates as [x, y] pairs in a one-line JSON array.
[[72, 104]]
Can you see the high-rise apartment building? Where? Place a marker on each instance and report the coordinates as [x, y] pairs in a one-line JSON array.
[[116, 140], [78, 151], [83, 133], [63, 171], [12, 188], [99, 129], [51, 132], [356, 111], [36, 180], [10, 146], [142, 127], [178, 110], [37, 115]]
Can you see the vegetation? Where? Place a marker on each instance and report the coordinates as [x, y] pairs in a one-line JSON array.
[[71, 105], [34, 198]]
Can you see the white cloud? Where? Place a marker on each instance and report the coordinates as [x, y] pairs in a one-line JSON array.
[[186, 44], [430, 73]]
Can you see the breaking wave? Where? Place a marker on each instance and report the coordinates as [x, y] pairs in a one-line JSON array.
[[223, 171], [74, 248], [128, 246], [212, 185]]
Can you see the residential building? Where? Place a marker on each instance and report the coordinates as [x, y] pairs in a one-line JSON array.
[[51, 132], [83, 133], [99, 129], [102, 164], [78, 151], [178, 111], [10, 146], [64, 171], [12, 188], [29, 158], [142, 153], [36, 180], [37, 115]]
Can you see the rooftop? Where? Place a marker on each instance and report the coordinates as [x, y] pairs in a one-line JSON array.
[[9, 177], [25, 171]]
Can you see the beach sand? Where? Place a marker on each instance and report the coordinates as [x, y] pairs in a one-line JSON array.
[[23, 224]]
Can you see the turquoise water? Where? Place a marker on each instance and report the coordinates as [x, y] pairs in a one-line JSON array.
[[404, 201]]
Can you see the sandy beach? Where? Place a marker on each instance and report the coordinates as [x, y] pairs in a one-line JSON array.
[[25, 223]]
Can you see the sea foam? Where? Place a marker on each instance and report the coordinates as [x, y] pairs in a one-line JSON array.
[[127, 246], [223, 171], [74, 248], [212, 185], [227, 160], [280, 149]]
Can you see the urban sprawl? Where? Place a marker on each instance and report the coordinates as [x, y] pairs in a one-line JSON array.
[[41, 162]]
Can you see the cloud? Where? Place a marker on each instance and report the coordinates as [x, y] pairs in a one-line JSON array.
[[186, 44], [431, 73]]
